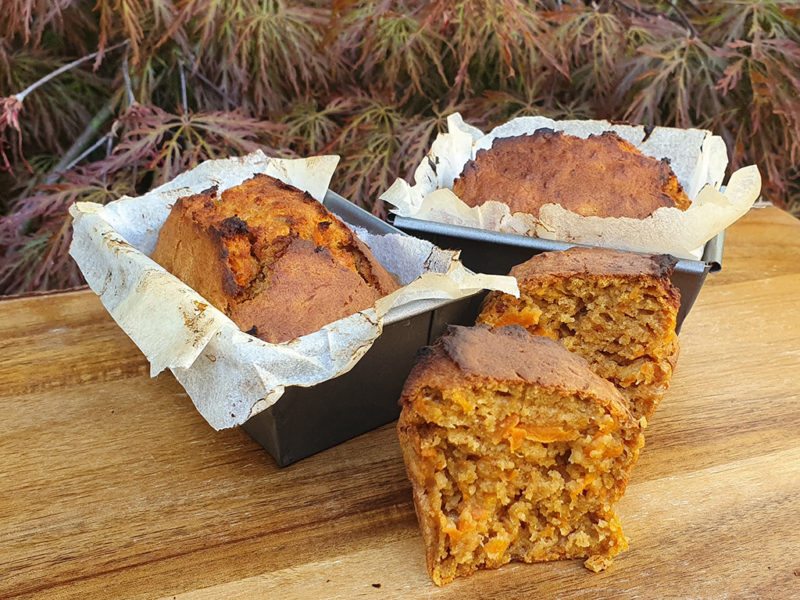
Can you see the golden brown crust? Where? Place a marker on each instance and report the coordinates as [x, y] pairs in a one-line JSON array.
[[503, 355], [271, 257], [186, 250], [595, 262], [306, 289], [603, 176], [420, 470]]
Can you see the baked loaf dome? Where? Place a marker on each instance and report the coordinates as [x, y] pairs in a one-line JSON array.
[[618, 310], [601, 176], [272, 258], [515, 450]]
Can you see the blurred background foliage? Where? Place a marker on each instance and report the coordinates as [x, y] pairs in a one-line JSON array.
[[124, 94]]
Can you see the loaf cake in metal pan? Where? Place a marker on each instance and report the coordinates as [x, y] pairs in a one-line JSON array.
[[515, 450], [271, 257]]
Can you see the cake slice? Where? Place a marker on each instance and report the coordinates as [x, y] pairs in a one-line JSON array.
[[515, 450], [618, 310], [601, 176]]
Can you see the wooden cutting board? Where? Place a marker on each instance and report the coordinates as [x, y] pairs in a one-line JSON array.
[[112, 486]]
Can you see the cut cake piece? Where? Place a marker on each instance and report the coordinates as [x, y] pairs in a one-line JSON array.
[[515, 450], [618, 310]]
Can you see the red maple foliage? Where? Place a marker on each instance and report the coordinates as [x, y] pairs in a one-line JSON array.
[[113, 97]]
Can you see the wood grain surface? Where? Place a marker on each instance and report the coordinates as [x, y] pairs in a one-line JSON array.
[[112, 485]]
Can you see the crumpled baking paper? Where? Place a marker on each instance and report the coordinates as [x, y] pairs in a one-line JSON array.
[[229, 375], [697, 158]]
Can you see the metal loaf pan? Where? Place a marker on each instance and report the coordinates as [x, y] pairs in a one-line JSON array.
[[308, 420], [495, 253]]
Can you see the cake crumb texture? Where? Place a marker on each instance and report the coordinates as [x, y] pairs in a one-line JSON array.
[[516, 451], [618, 310]]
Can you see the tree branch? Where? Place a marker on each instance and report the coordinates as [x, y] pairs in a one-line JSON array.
[[63, 69], [183, 89], [126, 76], [74, 155]]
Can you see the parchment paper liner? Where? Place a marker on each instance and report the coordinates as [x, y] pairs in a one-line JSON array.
[[230, 375], [697, 157]]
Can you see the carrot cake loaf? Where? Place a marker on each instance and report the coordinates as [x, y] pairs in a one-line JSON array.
[[271, 257]]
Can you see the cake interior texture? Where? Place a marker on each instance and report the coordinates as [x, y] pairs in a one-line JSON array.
[[515, 466], [615, 309], [602, 175], [271, 257]]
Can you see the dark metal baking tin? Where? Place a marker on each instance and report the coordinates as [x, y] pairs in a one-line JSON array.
[[305, 421], [493, 252]]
